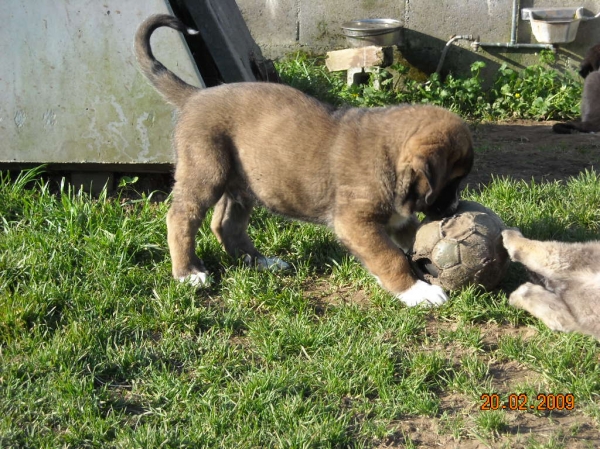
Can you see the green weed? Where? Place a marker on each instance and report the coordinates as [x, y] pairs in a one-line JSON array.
[[538, 92]]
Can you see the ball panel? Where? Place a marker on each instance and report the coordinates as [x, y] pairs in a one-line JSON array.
[[427, 236], [446, 254], [477, 250]]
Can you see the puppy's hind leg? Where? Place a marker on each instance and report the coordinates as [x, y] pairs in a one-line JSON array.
[[194, 192], [545, 305], [230, 225]]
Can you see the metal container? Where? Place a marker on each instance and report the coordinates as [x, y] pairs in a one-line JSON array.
[[554, 31], [554, 25], [365, 32]]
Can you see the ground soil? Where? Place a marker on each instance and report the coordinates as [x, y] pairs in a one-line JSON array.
[[530, 150]]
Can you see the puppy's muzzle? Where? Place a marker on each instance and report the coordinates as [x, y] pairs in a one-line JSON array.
[[445, 205]]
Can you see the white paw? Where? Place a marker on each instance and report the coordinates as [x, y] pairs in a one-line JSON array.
[[508, 240], [267, 263], [423, 293], [197, 279]]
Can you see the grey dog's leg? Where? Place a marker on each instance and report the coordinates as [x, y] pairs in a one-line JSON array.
[[549, 259], [544, 305], [543, 258]]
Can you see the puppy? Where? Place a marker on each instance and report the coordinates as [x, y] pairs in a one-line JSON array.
[[362, 172], [590, 98], [591, 62], [566, 295]]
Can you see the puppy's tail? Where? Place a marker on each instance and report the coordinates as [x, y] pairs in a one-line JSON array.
[[572, 128], [170, 86]]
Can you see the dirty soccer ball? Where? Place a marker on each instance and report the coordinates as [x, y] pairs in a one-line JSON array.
[[465, 248]]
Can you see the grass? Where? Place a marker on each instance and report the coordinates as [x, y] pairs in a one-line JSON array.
[[100, 347]]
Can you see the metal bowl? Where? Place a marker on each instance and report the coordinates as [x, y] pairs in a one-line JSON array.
[[381, 32]]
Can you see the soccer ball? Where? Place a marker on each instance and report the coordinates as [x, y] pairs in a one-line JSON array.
[[465, 248]]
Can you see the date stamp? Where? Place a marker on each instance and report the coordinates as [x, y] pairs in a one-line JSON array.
[[521, 401]]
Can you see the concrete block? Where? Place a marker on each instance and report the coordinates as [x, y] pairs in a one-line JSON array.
[[361, 75], [351, 58], [489, 19]]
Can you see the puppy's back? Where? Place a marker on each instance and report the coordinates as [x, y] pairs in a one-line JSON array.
[[590, 101]]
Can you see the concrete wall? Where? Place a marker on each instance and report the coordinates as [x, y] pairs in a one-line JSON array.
[[70, 90], [283, 26]]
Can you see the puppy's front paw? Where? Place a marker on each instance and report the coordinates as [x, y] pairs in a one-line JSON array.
[[197, 280], [423, 293]]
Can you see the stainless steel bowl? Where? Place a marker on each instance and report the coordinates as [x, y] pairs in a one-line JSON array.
[[363, 32]]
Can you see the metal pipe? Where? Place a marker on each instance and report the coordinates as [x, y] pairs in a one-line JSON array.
[[513, 36], [475, 45], [509, 45], [447, 46], [515, 21]]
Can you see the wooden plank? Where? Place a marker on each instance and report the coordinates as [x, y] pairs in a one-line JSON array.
[[227, 51], [354, 58]]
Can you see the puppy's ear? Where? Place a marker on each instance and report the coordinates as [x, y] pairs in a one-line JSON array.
[[427, 183], [414, 186], [426, 180], [404, 178], [403, 190], [591, 62]]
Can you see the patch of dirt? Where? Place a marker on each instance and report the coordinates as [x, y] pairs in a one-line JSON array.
[[522, 430], [530, 150]]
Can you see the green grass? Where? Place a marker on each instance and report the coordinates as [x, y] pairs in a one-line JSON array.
[[99, 347]]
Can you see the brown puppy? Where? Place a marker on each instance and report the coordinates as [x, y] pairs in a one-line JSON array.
[[590, 98], [569, 273], [363, 172], [591, 62]]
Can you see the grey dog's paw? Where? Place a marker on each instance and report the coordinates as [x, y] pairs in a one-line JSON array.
[[517, 298], [510, 238]]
